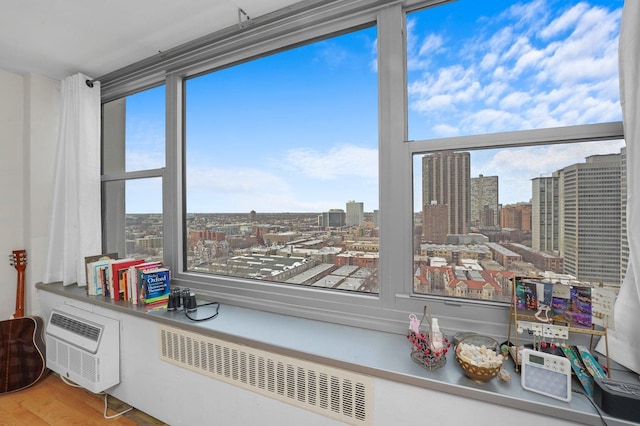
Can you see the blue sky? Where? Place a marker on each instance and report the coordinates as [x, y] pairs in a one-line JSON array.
[[298, 132]]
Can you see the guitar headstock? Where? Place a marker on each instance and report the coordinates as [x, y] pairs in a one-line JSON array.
[[18, 259]]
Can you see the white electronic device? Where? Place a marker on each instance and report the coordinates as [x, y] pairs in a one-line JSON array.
[[546, 374]]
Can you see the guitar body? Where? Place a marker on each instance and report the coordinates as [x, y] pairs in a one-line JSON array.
[[22, 350], [22, 353]]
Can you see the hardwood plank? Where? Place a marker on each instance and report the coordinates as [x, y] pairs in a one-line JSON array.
[[53, 402]]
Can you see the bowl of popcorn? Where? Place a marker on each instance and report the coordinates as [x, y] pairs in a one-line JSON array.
[[479, 357]]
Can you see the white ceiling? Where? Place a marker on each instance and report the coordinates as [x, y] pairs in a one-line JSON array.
[[58, 38]]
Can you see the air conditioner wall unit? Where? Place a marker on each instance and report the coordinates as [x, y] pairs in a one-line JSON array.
[[84, 347]]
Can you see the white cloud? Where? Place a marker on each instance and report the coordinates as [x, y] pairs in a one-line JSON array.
[[331, 54], [145, 160], [432, 43], [445, 130], [145, 145], [299, 180], [492, 121], [373, 63], [564, 22], [435, 103], [532, 66], [527, 15], [528, 60], [488, 61], [218, 179], [339, 162], [514, 100], [493, 92], [211, 188]]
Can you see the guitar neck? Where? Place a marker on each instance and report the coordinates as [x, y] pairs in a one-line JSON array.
[[20, 296], [18, 259]]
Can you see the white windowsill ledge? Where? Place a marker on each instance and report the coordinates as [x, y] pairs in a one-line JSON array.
[[374, 353]]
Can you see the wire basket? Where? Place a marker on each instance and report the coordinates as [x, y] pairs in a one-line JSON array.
[[480, 372], [429, 354]]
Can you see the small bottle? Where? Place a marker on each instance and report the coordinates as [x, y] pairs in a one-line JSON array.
[[435, 337]]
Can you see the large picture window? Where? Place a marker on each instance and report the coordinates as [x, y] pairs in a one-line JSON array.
[[352, 161], [281, 166], [133, 160], [485, 215]]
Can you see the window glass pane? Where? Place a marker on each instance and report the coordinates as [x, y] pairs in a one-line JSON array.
[[134, 132], [282, 166], [552, 211], [486, 67], [139, 203]]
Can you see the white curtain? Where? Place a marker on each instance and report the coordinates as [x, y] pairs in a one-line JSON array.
[[624, 341], [75, 230]]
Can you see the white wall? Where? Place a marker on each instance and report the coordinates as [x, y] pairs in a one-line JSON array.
[[12, 187], [42, 106], [28, 128]]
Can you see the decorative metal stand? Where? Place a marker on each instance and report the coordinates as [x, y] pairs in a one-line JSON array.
[[422, 348]]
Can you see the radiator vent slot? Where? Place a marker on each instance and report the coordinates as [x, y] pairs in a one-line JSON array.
[[330, 391], [74, 326]]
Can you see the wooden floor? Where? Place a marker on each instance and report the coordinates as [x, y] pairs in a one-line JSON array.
[[53, 402]]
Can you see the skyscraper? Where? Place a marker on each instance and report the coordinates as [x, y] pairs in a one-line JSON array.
[[624, 242], [484, 202], [334, 218], [446, 179], [545, 207], [591, 218], [355, 213]]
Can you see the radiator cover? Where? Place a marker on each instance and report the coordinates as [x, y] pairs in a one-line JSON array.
[[333, 392]]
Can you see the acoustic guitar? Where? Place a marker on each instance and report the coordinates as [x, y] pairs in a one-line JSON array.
[[22, 350]]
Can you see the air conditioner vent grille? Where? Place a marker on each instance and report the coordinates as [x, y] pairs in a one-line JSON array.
[[74, 326], [336, 393]]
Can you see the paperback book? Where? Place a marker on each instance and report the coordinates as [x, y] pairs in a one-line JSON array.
[[119, 270], [97, 272], [155, 285]]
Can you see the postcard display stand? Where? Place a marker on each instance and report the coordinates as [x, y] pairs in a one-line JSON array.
[[549, 313]]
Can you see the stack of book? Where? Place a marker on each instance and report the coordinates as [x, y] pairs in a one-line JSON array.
[[133, 280]]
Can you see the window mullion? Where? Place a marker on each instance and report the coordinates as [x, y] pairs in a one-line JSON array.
[[395, 162], [172, 184]]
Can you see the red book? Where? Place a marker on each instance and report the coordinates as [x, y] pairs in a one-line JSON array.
[[118, 269]]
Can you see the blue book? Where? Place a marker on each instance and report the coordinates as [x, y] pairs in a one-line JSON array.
[[155, 285]]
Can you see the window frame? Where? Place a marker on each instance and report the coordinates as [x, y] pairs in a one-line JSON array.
[[309, 21]]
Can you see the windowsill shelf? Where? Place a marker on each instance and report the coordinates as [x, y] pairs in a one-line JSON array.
[[374, 353]]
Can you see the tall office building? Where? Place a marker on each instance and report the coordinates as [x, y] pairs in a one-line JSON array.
[[334, 218], [545, 207], [624, 242], [484, 202], [355, 213], [446, 179], [591, 219]]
